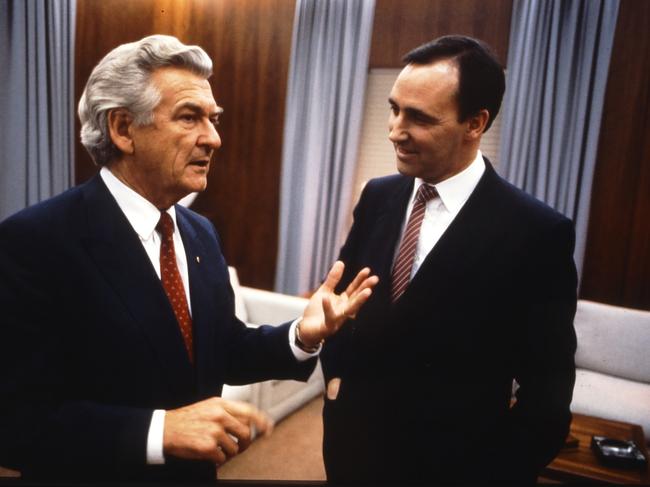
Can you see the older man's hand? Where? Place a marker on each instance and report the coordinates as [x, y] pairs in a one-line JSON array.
[[327, 311], [215, 429]]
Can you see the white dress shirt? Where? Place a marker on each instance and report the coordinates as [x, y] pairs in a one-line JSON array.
[[143, 217], [441, 210]]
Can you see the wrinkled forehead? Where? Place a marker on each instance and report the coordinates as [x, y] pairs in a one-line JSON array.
[[178, 86]]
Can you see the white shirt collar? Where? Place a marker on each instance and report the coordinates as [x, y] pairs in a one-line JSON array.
[[455, 191], [141, 213]]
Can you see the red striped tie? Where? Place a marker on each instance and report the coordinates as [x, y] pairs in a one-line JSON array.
[[404, 261], [171, 280]]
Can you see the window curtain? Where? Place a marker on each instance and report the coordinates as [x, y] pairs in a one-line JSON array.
[[558, 61], [324, 110], [36, 101]]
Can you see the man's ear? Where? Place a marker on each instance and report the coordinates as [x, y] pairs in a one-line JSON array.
[[119, 124], [476, 124]]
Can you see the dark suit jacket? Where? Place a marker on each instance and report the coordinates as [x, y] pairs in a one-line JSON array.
[[426, 382], [90, 345]]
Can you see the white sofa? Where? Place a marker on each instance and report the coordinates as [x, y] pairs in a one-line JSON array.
[[613, 363], [277, 398]]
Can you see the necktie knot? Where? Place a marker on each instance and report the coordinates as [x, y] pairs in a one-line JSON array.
[[165, 225], [426, 193]]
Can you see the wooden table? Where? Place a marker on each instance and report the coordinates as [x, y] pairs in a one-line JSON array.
[[580, 464]]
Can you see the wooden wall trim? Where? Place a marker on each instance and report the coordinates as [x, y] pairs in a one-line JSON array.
[[401, 25]]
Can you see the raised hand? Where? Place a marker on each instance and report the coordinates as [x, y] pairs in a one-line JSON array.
[[327, 311]]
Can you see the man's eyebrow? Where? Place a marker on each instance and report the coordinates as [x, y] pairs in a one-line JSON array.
[[196, 108], [412, 112]]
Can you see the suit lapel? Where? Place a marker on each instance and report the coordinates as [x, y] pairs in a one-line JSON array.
[[203, 317], [383, 239], [465, 241], [121, 259]]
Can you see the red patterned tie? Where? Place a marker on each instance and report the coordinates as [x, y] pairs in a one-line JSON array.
[[404, 261], [171, 280]]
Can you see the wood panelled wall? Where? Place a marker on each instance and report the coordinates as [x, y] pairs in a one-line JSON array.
[[249, 42], [401, 25], [617, 259]]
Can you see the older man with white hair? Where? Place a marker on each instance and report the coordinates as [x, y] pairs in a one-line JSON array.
[[118, 328]]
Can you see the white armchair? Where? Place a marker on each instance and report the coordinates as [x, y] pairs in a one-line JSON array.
[[613, 363], [277, 398]]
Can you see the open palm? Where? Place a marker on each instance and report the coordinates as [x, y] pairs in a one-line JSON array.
[[327, 311]]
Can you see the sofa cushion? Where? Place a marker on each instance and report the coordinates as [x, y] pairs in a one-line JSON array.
[[613, 340], [608, 397], [273, 308]]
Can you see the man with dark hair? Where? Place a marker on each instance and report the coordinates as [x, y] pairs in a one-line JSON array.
[[477, 290], [118, 328]]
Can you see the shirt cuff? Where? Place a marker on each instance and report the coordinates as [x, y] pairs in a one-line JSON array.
[[300, 355], [155, 454]]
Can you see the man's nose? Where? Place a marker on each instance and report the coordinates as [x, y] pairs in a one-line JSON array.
[[396, 130], [210, 137]]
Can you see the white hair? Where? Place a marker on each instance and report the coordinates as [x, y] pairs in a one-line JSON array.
[[122, 80]]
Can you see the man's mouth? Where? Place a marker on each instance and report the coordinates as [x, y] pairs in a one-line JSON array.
[[200, 162], [403, 152]]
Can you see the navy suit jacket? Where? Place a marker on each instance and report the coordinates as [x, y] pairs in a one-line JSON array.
[[90, 345], [426, 382]]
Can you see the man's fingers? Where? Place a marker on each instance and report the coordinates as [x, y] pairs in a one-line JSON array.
[[355, 303], [244, 443], [235, 426], [229, 446], [219, 456], [354, 285], [238, 421], [334, 317], [368, 283], [334, 276], [260, 421], [214, 429], [250, 415]]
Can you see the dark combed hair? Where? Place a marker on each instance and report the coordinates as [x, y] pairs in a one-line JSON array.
[[481, 81]]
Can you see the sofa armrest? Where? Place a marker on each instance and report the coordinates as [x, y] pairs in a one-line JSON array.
[[266, 307], [610, 397], [279, 398]]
